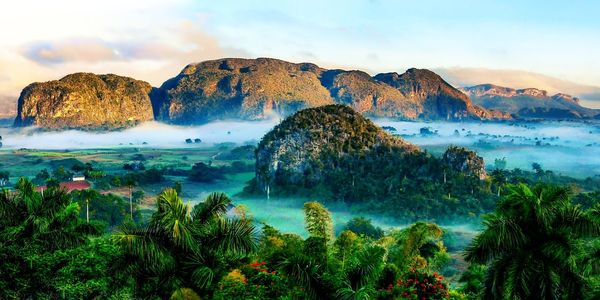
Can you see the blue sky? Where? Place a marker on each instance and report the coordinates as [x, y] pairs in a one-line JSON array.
[[559, 38], [547, 44]]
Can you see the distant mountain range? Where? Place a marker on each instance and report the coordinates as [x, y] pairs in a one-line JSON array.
[[255, 89], [529, 103]]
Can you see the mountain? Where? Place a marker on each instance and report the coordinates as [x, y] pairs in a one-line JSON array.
[[529, 103], [85, 101], [248, 89], [245, 89], [254, 89], [334, 151]]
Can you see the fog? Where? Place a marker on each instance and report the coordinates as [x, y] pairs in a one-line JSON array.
[[150, 134], [569, 148]]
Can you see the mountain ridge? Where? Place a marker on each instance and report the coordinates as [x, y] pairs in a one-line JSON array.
[[253, 89], [529, 102]]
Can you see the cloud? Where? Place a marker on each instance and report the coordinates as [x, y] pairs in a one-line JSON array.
[[71, 50], [589, 94], [154, 59]]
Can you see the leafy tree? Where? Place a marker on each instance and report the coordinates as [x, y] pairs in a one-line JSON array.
[[202, 172], [318, 220], [179, 249], [361, 225], [531, 244], [419, 246]]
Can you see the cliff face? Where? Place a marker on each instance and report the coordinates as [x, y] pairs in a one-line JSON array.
[[435, 97], [249, 89], [85, 101], [529, 103], [245, 89], [255, 89]]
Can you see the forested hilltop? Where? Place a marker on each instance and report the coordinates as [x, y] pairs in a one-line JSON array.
[[335, 154]]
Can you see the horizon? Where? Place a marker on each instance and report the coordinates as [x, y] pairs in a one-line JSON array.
[[366, 35]]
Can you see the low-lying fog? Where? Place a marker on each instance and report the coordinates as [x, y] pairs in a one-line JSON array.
[[565, 147]]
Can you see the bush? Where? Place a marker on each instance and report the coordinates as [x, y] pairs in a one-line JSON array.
[[417, 285]]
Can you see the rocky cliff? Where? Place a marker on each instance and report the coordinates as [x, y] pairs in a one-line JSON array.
[[529, 103], [246, 89], [254, 89], [85, 101]]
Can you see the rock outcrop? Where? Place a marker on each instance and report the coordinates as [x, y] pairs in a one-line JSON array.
[[253, 89], [465, 161], [243, 89], [248, 89], [85, 101]]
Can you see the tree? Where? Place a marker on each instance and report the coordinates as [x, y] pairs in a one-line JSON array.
[[88, 195], [130, 181], [318, 221], [500, 163], [531, 243], [182, 249], [361, 225], [419, 246], [202, 172], [46, 251]]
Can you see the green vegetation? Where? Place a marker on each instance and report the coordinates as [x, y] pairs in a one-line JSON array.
[[535, 245]]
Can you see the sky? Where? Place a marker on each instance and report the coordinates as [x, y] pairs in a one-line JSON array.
[[546, 44]]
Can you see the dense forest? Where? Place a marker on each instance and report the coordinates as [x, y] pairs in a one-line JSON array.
[[535, 244]]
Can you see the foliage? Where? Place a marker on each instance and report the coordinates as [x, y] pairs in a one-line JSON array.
[[202, 172], [318, 220], [179, 249], [46, 251], [417, 285], [532, 243], [361, 225]]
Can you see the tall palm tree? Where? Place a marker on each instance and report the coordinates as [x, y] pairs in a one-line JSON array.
[[180, 248], [531, 244]]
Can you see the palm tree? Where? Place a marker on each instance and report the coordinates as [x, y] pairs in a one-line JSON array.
[[531, 244], [180, 248], [130, 183], [88, 195]]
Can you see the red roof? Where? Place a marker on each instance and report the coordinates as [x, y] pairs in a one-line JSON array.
[[69, 186]]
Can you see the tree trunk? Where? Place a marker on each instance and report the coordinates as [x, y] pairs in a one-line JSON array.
[[130, 203], [87, 210]]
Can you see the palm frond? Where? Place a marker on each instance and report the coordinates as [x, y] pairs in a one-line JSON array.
[[501, 235], [214, 206], [232, 236]]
